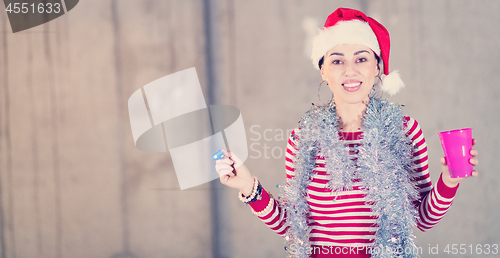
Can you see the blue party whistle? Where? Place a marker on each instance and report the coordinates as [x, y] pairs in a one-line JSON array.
[[218, 155]]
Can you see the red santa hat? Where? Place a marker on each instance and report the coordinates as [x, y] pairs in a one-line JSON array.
[[349, 26]]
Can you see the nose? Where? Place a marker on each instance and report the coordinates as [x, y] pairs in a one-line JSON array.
[[350, 69]]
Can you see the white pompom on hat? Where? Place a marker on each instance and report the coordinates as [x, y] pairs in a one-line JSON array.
[[349, 26]]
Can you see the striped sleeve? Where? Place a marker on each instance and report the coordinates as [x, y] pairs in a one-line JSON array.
[[435, 201], [268, 209]]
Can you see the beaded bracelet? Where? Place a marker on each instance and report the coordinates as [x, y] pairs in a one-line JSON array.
[[266, 210], [256, 193]]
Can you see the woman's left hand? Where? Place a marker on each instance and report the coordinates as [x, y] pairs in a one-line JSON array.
[[452, 182]]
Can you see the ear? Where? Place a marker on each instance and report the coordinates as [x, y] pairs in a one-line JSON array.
[[377, 69], [377, 64], [323, 76]]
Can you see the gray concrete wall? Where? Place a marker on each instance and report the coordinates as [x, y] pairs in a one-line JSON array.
[[72, 183]]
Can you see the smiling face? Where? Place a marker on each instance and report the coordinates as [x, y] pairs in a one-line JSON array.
[[350, 71]]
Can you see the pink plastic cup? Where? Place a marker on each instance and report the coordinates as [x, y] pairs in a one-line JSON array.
[[457, 145]]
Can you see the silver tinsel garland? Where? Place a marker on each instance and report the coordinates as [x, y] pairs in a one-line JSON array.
[[383, 165]]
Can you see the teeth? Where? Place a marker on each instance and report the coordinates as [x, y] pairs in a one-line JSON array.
[[352, 84]]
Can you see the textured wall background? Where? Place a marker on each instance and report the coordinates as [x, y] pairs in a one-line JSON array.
[[74, 185]]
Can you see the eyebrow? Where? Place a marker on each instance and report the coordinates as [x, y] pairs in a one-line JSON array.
[[355, 53], [361, 51]]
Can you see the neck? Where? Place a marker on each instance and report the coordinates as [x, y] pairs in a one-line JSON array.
[[350, 116]]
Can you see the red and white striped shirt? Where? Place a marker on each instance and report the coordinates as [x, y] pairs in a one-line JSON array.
[[349, 221]]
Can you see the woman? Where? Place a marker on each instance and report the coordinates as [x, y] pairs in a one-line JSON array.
[[357, 173]]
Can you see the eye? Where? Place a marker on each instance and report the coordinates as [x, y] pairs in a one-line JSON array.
[[336, 62], [362, 59]]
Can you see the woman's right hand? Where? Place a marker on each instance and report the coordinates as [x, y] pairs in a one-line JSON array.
[[234, 173]]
